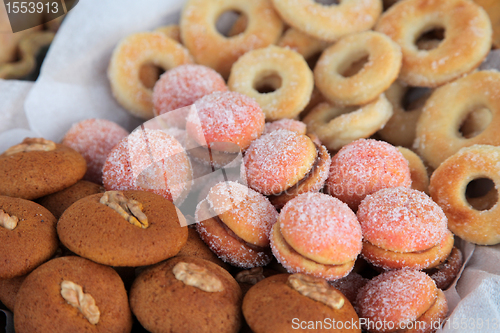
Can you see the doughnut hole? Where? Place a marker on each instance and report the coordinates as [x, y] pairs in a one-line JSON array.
[[481, 194], [475, 122], [354, 65], [430, 38], [267, 82], [327, 2], [149, 74], [231, 23]]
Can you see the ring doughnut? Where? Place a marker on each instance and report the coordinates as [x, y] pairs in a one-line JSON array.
[[447, 188], [400, 129], [302, 43], [337, 126], [329, 23], [437, 133], [377, 74], [418, 171], [210, 48], [467, 39], [129, 56], [493, 10], [282, 69]]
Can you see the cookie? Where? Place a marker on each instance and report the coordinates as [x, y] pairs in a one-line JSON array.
[[27, 236], [94, 230], [38, 167], [72, 294], [9, 289], [187, 294], [58, 202]]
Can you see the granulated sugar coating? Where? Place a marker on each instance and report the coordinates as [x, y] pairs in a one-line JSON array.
[[149, 160], [401, 219], [398, 297], [321, 228], [184, 85], [226, 117], [364, 167], [288, 124], [246, 212], [94, 139], [278, 160]]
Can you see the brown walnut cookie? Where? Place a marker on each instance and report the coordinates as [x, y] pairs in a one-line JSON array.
[[38, 167]]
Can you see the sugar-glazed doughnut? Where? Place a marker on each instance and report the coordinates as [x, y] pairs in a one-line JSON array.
[[447, 187], [467, 41], [129, 56], [329, 22], [212, 49], [418, 171], [281, 69], [337, 126], [377, 74], [400, 129], [438, 136], [302, 43]]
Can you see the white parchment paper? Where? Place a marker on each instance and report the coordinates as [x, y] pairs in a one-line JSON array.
[[73, 86]]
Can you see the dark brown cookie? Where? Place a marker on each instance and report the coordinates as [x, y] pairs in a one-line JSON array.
[[274, 306], [41, 306], [9, 289], [162, 302], [27, 236], [38, 167], [58, 202], [96, 231]]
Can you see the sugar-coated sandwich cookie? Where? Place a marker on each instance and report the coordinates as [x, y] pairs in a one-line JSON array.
[[28, 236], [403, 228], [195, 247], [130, 228], [72, 294], [184, 85], [225, 117], [364, 167], [38, 167], [318, 235], [190, 295], [58, 202], [285, 164], [401, 298], [444, 274], [235, 221], [284, 302], [94, 139], [9, 289], [150, 160]]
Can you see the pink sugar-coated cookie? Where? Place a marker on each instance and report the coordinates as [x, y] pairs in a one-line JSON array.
[[277, 161], [226, 117], [287, 124], [317, 234], [401, 219], [94, 139], [399, 298], [183, 85], [239, 231], [364, 167], [149, 160]]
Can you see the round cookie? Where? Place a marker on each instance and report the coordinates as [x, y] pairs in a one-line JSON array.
[[162, 302], [27, 236], [38, 167], [58, 202], [41, 306], [96, 231], [274, 305], [9, 289]]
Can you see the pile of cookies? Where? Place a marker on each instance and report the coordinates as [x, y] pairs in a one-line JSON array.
[[353, 142]]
